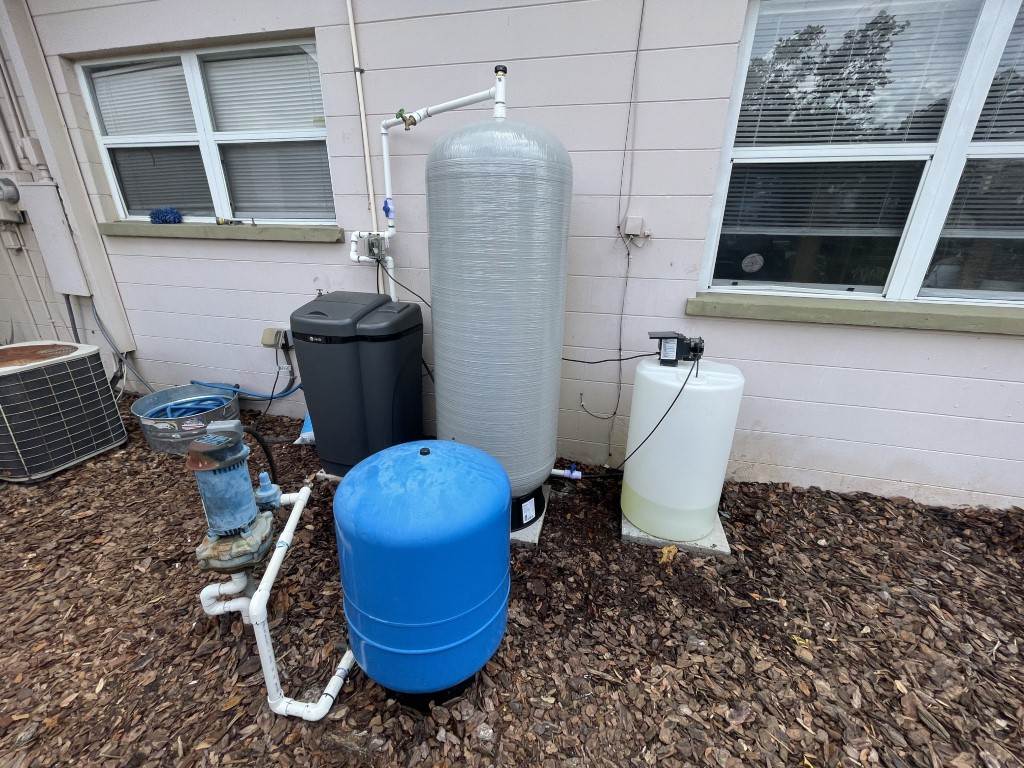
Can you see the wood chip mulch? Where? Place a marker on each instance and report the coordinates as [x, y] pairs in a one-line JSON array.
[[846, 630]]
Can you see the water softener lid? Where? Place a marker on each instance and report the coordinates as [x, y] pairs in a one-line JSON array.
[[421, 491], [391, 318], [336, 313]]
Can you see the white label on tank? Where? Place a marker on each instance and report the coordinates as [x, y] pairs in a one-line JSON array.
[[668, 349], [529, 510]]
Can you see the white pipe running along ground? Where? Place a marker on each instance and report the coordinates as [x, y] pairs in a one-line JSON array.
[[256, 608], [570, 474], [497, 93]]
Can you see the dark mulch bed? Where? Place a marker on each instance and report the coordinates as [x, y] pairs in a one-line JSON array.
[[847, 629]]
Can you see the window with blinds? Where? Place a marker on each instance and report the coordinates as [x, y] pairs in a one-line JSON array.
[[277, 88], [162, 177], [981, 249], [828, 224], [836, 182], [1002, 117], [229, 133], [264, 177], [823, 73], [146, 98]]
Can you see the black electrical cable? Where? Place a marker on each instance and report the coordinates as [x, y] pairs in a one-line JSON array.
[[400, 285], [627, 242], [609, 359], [71, 319], [271, 464], [615, 471], [273, 387], [426, 367]]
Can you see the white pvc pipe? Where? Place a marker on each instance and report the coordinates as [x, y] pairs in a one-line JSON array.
[[569, 474], [210, 597], [256, 608], [362, 115], [497, 93], [499, 96]]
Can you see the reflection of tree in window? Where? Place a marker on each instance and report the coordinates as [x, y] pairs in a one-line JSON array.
[[821, 90]]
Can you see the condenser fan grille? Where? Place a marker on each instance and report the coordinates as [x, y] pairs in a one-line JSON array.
[[55, 414]]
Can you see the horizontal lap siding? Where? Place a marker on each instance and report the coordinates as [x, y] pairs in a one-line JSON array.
[[928, 414]]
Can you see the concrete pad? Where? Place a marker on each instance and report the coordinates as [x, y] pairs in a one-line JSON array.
[[715, 543], [530, 535]]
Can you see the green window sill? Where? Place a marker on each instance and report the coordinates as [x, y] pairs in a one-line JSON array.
[[291, 233], [875, 313]]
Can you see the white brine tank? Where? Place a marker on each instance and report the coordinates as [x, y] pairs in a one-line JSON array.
[[498, 198], [672, 485]]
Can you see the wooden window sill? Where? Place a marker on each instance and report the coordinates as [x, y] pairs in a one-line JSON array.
[[292, 233], [875, 313]]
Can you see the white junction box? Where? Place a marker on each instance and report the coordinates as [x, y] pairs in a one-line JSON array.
[[41, 201]]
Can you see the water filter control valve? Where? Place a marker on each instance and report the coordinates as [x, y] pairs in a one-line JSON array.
[[674, 346]]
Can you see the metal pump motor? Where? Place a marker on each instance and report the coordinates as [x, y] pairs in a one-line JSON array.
[[240, 522]]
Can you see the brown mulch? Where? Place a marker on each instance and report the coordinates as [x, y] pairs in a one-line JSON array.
[[846, 630]]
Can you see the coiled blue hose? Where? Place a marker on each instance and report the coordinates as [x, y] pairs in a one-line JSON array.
[[192, 406], [246, 393]]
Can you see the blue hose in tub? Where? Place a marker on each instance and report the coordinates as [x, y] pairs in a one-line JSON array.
[[234, 388], [192, 406]]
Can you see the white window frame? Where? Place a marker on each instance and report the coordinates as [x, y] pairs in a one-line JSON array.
[[204, 137], [944, 162]]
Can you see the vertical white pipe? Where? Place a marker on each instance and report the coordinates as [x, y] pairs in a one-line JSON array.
[[385, 146], [371, 196], [389, 262], [499, 96]]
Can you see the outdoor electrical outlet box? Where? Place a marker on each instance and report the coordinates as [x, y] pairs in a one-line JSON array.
[[41, 201], [273, 337], [634, 226]]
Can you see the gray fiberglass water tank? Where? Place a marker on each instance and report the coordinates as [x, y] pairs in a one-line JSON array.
[[498, 197]]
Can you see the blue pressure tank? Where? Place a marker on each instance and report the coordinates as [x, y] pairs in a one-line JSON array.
[[423, 541]]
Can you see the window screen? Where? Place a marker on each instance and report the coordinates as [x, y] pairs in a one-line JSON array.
[[825, 224], [981, 248], [158, 177], [289, 180], [1002, 117], [823, 73], [143, 99], [273, 89]]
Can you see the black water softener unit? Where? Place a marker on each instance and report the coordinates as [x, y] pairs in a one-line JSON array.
[[359, 355]]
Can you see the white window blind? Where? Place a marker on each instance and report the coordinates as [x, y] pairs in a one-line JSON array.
[[982, 244], [277, 88], [827, 224], [1002, 117], [853, 72], [286, 179], [818, 197], [162, 177], [143, 98]]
